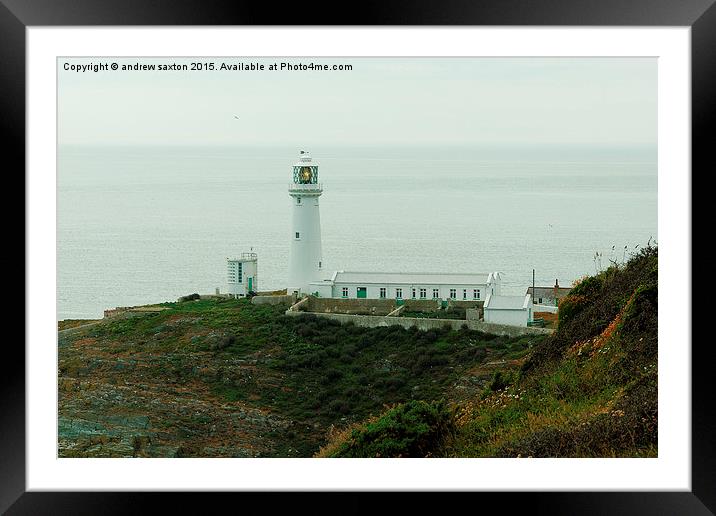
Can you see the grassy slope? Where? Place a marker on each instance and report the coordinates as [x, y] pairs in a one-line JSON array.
[[228, 378], [73, 323], [588, 390]]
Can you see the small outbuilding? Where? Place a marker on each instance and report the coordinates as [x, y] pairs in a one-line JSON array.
[[548, 295], [509, 310], [242, 276]]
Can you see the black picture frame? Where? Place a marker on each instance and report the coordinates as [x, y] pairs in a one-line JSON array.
[[699, 15]]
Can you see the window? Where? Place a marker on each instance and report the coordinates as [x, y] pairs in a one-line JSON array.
[[476, 294], [298, 235], [344, 292], [398, 293], [436, 293], [539, 300], [423, 293], [382, 292], [413, 294], [453, 293], [319, 265], [298, 200], [464, 293]]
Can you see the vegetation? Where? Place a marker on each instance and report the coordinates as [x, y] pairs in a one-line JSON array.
[[230, 356], [73, 323], [589, 390], [454, 312], [332, 370], [411, 429]]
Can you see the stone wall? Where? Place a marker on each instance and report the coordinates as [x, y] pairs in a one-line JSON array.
[[349, 306], [545, 308], [368, 321]]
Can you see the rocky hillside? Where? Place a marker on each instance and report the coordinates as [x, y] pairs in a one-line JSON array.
[[589, 390], [225, 378]]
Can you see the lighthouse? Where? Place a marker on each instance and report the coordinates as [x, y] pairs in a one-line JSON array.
[[304, 254]]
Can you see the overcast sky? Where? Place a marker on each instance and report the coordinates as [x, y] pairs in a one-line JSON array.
[[486, 101]]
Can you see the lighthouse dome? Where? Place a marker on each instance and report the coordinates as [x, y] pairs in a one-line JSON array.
[[304, 158]]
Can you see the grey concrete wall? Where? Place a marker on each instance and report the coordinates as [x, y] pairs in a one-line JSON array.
[[545, 308], [352, 306], [368, 321], [271, 300]]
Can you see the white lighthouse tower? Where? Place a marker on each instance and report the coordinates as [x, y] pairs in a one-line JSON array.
[[304, 255]]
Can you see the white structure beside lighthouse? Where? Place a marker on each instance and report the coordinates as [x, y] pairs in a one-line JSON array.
[[305, 254], [242, 274]]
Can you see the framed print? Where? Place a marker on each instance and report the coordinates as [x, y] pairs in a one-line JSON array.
[[274, 257]]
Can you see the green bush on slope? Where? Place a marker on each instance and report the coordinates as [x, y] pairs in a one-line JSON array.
[[412, 429]]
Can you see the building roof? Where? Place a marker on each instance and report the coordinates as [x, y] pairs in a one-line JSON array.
[[506, 302], [412, 278], [549, 291], [245, 257]]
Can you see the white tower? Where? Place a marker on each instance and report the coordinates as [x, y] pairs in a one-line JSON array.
[[304, 254]]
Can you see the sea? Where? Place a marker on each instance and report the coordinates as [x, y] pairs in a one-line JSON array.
[[144, 224]]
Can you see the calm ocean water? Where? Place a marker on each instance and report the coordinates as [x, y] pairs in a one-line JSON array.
[[145, 224]]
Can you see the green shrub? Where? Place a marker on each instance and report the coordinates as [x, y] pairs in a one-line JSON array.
[[588, 286], [501, 380], [413, 429], [570, 306], [339, 407]]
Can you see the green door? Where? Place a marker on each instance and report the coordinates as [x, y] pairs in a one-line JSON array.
[[251, 284], [362, 293]]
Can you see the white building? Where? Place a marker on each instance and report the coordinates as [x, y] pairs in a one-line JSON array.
[[242, 274], [305, 267], [509, 310], [407, 285], [548, 295], [305, 256]]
